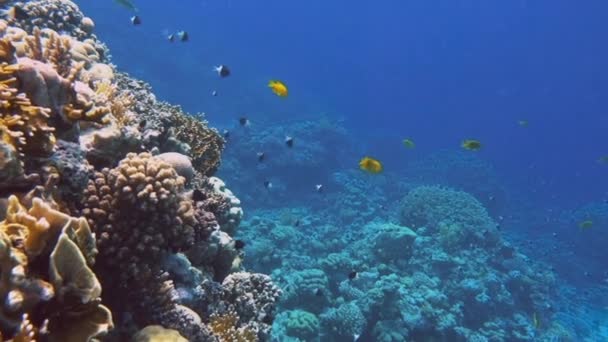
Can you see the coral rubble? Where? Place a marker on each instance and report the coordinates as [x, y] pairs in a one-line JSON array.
[[111, 224]]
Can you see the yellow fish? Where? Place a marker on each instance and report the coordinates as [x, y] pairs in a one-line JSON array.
[[370, 165], [471, 144], [585, 224], [408, 143], [278, 88]]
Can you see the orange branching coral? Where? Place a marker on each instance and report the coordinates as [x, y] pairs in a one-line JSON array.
[[225, 327], [56, 51], [206, 143], [22, 124], [120, 102]]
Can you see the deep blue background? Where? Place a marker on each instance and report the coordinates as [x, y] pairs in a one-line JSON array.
[[438, 71]]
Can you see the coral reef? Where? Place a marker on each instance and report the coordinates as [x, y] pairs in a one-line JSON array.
[[444, 272], [111, 219]]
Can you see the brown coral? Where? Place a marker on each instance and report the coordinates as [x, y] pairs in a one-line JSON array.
[[139, 212], [206, 144], [225, 327]]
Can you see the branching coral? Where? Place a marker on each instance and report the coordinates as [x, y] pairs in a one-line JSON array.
[[206, 144], [23, 125], [225, 327]]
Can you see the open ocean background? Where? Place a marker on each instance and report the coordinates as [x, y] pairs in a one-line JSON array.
[[377, 72]]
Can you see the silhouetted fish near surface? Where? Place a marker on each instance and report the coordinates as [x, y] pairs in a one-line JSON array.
[[319, 293], [183, 36], [127, 4], [226, 134], [289, 141], [222, 70], [319, 188], [352, 275], [267, 184], [261, 156], [171, 37], [243, 121], [135, 20], [214, 93]]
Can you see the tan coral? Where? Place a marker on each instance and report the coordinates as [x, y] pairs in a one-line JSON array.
[[38, 233], [22, 124], [156, 333]]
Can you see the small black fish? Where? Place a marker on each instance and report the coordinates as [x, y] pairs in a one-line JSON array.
[[183, 36], [222, 70], [143, 123], [18, 13], [171, 37], [319, 293], [243, 121], [214, 93], [226, 134], [319, 188], [135, 20], [261, 156], [289, 141], [198, 195], [297, 223], [352, 275], [267, 184], [239, 244]]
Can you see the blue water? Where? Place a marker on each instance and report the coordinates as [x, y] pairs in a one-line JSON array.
[[435, 71]]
